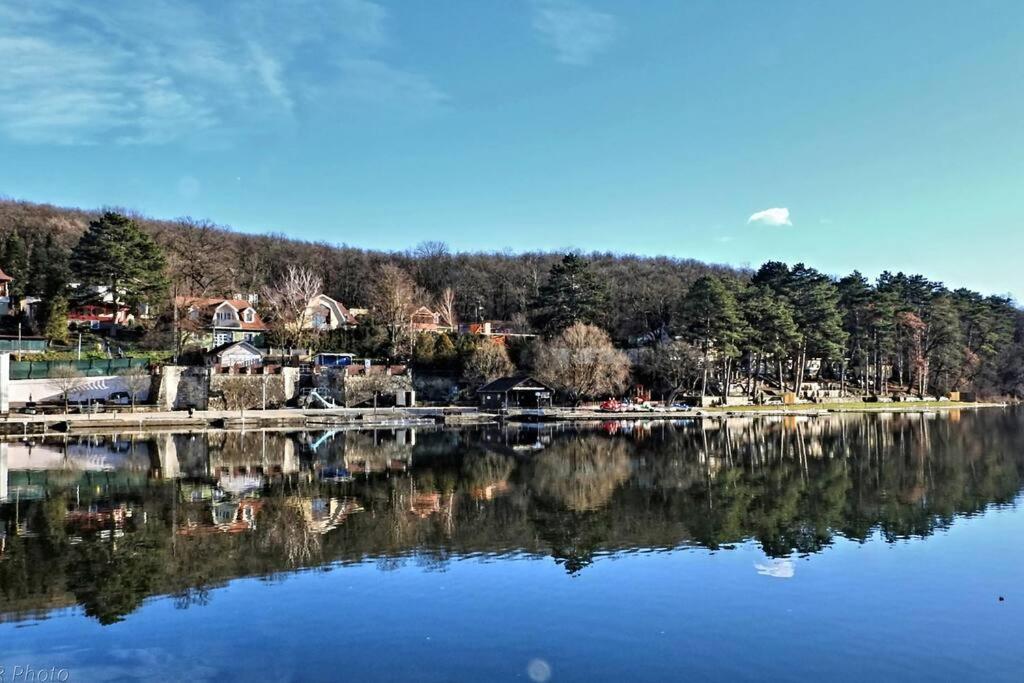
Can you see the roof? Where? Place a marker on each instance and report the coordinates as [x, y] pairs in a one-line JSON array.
[[518, 383], [4, 277], [218, 350], [210, 304], [346, 315]]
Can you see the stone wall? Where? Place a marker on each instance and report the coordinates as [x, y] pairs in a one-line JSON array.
[[208, 389]]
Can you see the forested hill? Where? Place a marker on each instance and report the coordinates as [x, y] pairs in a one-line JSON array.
[[902, 329], [642, 292]]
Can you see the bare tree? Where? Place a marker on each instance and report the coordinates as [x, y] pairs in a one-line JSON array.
[[136, 380], [581, 362], [674, 365], [288, 305], [241, 391], [195, 255], [446, 308], [67, 380], [393, 299], [488, 362]]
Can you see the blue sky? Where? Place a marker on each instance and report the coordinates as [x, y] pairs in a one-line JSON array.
[[890, 132]]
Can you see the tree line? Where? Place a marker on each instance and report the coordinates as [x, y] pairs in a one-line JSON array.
[[694, 327]]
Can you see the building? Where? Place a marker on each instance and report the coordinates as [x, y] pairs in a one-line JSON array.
[[239, 354], [212, 322], [324, 314], [5, 293], [515, 392], [425, 320]]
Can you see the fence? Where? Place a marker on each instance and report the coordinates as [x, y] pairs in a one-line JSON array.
[[88, 368], [30, 345]]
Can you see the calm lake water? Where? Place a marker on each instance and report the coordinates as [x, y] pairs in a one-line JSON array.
[[840, 548]]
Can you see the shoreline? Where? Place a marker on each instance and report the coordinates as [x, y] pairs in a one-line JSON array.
[[19, 426]]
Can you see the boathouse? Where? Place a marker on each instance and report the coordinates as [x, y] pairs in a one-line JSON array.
[[515, 392]]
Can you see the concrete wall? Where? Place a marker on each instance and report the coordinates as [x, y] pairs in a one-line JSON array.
[[39, 390]]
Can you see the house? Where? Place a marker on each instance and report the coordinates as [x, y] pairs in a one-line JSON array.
[[212, 322], [425, 320], [239, 354], [515, 392], [5, 293], [324, 314], [97, 316]]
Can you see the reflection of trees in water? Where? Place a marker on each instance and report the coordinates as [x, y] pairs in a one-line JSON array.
[[580, 473], [283, 531], [791, 485]]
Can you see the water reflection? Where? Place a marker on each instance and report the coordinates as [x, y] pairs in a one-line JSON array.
[[105, 522]]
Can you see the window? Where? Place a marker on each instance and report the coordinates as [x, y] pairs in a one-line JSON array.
[[224, 315], [221, 338], [249, 315]]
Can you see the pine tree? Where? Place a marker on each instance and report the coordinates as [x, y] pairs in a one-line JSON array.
[[572, 294], [57, 320], [714, 324], [114, 253]]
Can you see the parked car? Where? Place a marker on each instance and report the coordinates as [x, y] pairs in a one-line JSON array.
[[681, 406], [774, 401], [119, 398]]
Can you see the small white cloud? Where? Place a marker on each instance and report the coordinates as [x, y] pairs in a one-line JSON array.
[[778, 569], [776, 216], [577, 32]]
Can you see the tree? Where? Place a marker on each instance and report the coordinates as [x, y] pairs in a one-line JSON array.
[[582, 363], [288, 305], [446, 308], [571, 295], [674, 366], [136, 380], [770, 332], [488, 362], [393, 297], [713, 325], [57, 320], [423, 349], [67, 380], [116, 256]]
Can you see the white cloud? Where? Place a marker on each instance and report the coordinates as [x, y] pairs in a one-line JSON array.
[[151, 73], [775, 217], [778, 568], [577, 32]]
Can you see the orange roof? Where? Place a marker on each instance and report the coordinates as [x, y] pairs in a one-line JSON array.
[[4, 277], [210, 304]]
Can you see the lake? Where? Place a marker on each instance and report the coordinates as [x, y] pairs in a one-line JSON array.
[[844, 547]]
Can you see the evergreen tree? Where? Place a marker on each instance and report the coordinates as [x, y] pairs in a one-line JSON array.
[[713, 324], [14, 259], [114, 253], [57, 320], [572, 294], [771, 332]]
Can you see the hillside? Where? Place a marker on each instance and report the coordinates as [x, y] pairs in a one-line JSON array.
[[643, 292]]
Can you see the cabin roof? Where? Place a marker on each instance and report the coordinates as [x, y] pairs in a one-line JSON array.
[[515, 383]]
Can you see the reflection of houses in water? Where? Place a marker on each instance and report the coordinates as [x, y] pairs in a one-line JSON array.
[[489, 491], [319, 514], [227, 517], [338, 456], [324, 514]]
